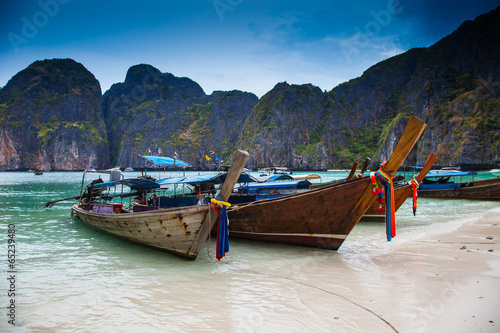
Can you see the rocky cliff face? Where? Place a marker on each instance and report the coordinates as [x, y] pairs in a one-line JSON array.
[[285, 128], [51, 114], [153, 110], [50, 118]]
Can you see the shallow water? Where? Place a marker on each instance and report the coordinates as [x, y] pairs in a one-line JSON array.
[[71, 278]]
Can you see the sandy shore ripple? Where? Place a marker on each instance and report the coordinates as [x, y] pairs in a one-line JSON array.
[[445, 283]]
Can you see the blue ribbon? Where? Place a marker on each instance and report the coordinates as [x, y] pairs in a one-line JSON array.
[[222, 233], [389, 209]]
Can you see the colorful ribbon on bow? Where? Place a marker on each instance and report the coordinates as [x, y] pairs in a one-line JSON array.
[[377, 191], [390, 212], [222, 246], [414, 186]]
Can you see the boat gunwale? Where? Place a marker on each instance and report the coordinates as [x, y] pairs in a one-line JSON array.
[[152, 213]]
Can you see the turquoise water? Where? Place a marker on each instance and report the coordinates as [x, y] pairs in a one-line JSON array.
[[70, 278]]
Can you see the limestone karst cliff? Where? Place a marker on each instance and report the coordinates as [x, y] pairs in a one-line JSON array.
[[53, 116], [50, 118]]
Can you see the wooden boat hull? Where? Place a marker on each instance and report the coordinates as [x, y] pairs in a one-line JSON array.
[[487, 189], [169, 230], [321, 217]]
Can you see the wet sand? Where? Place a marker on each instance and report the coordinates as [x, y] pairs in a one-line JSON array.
[[443, 283], [456, 276]]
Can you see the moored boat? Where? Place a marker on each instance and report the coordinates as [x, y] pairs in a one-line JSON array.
[[322, 217], [276, 171], [459, 185], [38, 172], [178, 230]]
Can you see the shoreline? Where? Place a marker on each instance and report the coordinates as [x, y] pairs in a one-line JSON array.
[[446, 283]]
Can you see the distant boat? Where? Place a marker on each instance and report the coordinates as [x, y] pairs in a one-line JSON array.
[[269, 190], [276, 170], [38, 172], [496, 172], [91, 169], [128, 169], [306, 177], [459, 185], [449, 168]]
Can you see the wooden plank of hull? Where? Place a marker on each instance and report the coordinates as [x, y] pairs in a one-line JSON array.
[[487, 189], [331, 211], [168, 230], [319, 218], [327, 241]]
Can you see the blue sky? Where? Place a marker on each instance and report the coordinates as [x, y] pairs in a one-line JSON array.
[[248, 45]]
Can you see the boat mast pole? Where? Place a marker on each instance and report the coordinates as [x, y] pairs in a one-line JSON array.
[[81, 188], [240, 159]]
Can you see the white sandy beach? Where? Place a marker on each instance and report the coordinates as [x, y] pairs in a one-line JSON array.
[[457, 280], [445, 283]]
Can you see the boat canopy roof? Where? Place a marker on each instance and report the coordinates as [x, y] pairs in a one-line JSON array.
[[138, 184], [272, 178], [439, 173], [134, 183], [105, 184], [205, 179], [162, 161]]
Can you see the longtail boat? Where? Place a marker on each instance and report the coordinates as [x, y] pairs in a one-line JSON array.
[[178, 230], [455, 185], [322, 217], [376, 212]]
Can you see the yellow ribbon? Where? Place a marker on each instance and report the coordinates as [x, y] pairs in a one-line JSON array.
[[218, 202]]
